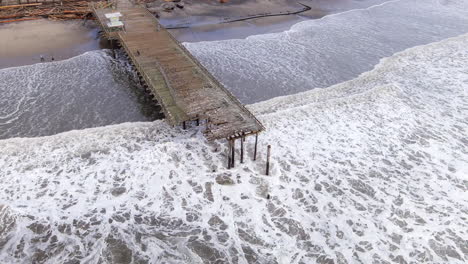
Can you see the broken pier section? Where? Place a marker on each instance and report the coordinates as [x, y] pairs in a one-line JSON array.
[[185, 90]]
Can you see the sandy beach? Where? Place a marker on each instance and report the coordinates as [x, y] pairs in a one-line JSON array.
[[23, 43], [210, 20], [365, 140]]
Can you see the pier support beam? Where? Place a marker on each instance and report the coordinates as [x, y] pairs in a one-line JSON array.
[[229, 154], [242, 148], [255, 148], [268, 160], [233, 151]]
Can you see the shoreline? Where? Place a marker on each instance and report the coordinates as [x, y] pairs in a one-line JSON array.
[[116, 178], [24, 43], [207, 22]]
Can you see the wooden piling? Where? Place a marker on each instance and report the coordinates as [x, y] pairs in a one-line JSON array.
[[255, 148], [183, 125], [242, 149], [229, 154], [112, 48], [268, 160], [233, 153]]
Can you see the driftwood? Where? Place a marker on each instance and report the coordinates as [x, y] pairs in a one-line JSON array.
[[17, 20], [56, 11], [16, 6]]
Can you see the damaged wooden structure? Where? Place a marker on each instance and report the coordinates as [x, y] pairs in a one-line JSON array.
[[185, 90], [54, 10]]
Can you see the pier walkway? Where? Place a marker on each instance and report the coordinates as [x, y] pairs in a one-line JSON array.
[[185, 90]]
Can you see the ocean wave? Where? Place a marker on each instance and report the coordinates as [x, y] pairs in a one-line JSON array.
[[322, 52], [89, 90], [372, 170]]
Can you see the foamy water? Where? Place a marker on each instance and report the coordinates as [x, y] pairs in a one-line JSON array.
[[94, 90], [89, 90], [327, 51], [373, 170]]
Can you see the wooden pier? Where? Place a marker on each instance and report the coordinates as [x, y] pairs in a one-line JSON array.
[[185, 90]]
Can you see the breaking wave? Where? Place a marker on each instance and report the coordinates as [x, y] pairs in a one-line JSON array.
[[327, 51], [373, 170], [89, 90]]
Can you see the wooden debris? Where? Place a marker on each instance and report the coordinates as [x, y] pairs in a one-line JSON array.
[[16, 6], [63, 10], [17, 20], [168, 6]]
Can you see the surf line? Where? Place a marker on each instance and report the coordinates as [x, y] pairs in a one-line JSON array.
[[227, 20]]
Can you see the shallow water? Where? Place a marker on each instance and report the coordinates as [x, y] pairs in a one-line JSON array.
[[89, 90], [83, 87], [206, 20], [214, 12], [327, 51], [94, 90], [373, 170], [25, 42]]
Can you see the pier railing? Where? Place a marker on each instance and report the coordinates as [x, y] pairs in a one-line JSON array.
[[204, 70], [185, 89]]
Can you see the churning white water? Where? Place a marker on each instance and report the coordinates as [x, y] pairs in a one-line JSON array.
[[327, 51], [373, 170], [93, 89], [89, 90]]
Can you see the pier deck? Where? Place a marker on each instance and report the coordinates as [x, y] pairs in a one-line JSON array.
[[183, 87]]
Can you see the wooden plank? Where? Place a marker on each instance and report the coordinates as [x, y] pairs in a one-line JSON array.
[[16, 6]]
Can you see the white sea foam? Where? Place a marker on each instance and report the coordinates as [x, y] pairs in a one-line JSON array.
[[89, 90], [373, 170], [327, 51]]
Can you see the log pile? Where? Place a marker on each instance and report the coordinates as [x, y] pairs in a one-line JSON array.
[[61, 10]]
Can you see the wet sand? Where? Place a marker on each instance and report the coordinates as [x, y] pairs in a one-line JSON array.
[[23, 43], [205, 20], [236, 30], [96, 90]]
